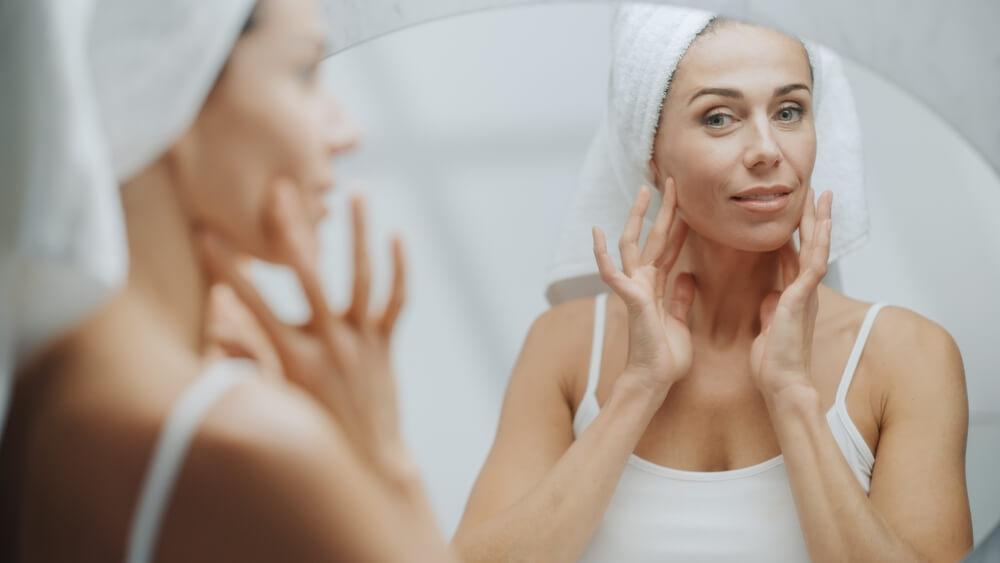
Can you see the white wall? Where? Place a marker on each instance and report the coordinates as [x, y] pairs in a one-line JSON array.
[[475, 128]]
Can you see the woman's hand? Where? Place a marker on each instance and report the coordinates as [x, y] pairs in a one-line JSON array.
[[341, 359], [781, 355], [232, 330], [659, 351]]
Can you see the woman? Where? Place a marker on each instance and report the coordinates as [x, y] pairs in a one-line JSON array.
[[122, 441], [714, 419]]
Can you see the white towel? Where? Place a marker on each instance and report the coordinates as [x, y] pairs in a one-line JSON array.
[[648, 43], [93, 91]]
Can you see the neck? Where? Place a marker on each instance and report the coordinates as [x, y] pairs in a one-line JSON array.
[[731, 284], [165, 276]]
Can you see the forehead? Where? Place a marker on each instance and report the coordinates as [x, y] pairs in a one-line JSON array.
[[742, 57]]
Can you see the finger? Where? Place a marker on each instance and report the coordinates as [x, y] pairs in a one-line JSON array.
[[819, 249], [362, 266], [398, 295], [807, 223], [299, 243], [821, 252], [224, 265], [610, 274], [824, 209], [628, 245], [656, 241], [789, 259], [660, 283], [824, 223], [678, 234], [767, 308], [682, 297]]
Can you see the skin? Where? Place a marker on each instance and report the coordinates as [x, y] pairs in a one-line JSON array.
[[722, 348], [306, 465]]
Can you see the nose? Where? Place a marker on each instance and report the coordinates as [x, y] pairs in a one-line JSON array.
[[342, 134], [762, 150]]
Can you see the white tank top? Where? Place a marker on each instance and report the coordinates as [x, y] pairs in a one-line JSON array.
[[748, 515]]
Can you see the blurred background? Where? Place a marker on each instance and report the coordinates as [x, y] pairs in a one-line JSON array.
[[474, 129]]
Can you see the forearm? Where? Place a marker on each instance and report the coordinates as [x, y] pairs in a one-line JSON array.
[[555, 519], [838, 521]]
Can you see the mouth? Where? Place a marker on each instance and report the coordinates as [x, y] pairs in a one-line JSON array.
[[770, 199]]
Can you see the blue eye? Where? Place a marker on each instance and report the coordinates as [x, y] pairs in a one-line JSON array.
[[716, 120], [790, 114]]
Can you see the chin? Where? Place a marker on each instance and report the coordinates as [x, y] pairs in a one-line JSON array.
[[762, 238]]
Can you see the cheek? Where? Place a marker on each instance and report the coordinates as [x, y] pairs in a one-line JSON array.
[[701, 171], [297, 137], [800, 154]]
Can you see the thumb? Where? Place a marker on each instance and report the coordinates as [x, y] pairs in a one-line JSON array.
[[767, 308], [682, 297]]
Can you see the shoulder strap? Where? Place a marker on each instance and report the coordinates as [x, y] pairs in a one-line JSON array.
[[859, 346], [597, 345], [168, 456]]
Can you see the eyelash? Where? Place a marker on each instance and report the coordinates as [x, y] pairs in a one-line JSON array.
[[800, 111], [705, 120]]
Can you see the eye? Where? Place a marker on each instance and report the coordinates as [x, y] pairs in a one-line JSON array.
[[790, 114], [717, 120]]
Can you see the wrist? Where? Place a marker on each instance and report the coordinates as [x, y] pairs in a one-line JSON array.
[[636, 392], [793, 401], [395, 466]]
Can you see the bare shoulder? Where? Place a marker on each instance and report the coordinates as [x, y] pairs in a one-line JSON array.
[[916, 353], [558, 345], [909, 352], [900, 337], [269, 476], [565, 324], [916, 361]]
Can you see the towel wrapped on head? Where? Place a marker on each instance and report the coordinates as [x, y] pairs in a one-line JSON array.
[[648, 42], [93, 92]]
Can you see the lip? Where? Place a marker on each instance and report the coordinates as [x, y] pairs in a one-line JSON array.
[[782, 195]]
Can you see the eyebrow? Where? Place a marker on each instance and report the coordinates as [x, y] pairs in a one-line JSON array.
[[736, 94]]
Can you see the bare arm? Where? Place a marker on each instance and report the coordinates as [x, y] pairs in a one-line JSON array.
[[541, 494], [918, 507]]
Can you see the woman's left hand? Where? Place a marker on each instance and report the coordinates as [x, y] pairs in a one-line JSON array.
[[781, 355], [233, 331]]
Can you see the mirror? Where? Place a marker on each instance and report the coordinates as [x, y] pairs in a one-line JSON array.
[[924, 48], [472, 144]]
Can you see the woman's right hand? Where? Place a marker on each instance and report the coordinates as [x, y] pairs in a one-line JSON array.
[[659, 351], [341, 359]]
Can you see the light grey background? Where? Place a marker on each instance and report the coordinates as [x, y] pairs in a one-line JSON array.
[[474, 131], [944, 52]]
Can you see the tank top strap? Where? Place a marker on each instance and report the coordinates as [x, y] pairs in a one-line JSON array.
[[855, 357], [596, 347], [168, 456]]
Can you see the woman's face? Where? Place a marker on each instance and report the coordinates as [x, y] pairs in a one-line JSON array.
[[267, 118], [736, 134]]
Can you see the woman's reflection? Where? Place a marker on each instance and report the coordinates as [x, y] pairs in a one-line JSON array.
[[731, 407]]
